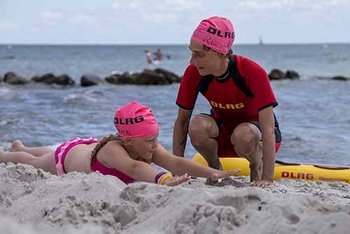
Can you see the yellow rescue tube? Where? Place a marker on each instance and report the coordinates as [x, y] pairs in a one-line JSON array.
[[287, 170]]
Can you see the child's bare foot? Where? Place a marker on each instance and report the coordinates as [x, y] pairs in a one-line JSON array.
[[16, 146]]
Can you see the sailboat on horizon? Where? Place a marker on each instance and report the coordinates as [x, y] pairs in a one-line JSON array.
[[261, 42]]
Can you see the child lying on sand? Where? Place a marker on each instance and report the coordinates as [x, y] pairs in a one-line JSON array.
[[126, 155]]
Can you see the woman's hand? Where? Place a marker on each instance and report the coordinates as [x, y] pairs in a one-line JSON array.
[[172, 181], [223, 174], [262, 183]]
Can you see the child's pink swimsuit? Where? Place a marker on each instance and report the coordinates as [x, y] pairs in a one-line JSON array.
[[63, 149]]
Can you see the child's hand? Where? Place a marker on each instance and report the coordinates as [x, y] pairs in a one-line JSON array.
[[172, 181]]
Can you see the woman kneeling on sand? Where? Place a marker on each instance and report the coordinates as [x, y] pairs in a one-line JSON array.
[[126, 155]]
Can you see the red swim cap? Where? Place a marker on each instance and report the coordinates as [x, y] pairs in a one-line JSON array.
[[216, 33], [135, 120]]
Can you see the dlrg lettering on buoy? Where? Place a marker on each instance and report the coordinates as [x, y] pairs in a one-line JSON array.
[[297, 175]]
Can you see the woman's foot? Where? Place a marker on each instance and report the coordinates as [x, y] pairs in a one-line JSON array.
[[1, 153], [16, 146]]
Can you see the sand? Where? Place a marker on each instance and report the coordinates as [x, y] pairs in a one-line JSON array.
[[33, 201]]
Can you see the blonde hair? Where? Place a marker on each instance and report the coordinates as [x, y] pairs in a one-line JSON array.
[[103, 142]]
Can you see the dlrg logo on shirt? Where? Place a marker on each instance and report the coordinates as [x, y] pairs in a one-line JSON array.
[[228, 106]]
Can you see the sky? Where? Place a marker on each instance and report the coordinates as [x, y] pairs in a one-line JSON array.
[[171, 21]]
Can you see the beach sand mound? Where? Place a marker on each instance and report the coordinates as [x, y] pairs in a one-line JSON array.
[[33, 201]]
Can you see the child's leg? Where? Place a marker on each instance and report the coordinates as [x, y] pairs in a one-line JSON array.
[[45, 162], [18, 146]]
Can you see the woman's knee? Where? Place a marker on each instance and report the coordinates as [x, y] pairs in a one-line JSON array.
[[245, 138], [201, 128]]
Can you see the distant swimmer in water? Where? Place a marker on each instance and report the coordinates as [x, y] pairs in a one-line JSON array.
[[148, 56], [126, 154], [159, 55]]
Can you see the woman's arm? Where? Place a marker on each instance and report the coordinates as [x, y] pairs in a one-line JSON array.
[[267, 123], [180, 166], [180, 131]]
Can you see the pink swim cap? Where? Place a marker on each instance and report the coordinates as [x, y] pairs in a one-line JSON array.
[[216, 33], [135, 120]]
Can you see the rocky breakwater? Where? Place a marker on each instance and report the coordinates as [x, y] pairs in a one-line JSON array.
[[157, 76]]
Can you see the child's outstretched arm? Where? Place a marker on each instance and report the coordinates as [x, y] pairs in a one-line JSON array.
[[180, 166], [118, 158]]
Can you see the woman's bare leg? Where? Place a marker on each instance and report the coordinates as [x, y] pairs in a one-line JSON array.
[[17, 146], [246, 138], [45, 162]]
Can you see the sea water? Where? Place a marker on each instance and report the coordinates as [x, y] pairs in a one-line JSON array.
[[314, 114]]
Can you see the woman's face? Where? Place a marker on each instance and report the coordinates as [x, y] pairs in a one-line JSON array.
[[145, 147], [206, 61]]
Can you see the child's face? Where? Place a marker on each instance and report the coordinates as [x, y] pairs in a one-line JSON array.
[[145, 147]]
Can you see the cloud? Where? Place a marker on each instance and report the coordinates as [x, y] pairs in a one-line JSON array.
[[247, 5], [51, 16], [182, 5], [156, 11], [160, 18], [303, 5], [48, 19], [8, 26], [51, 19], [291, 12], [150, 5], [81, 18], [127, 5]]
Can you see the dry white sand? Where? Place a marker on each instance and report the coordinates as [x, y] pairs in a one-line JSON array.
[[32, 201]]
